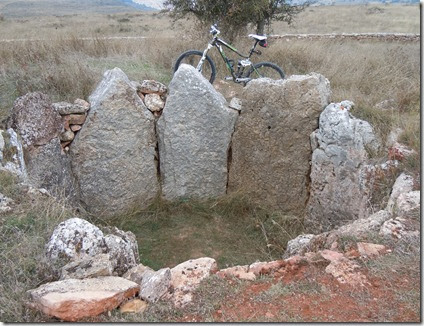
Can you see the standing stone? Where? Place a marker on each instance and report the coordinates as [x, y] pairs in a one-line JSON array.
[[12, 154], [35, 119], [113, 155], [194, 134], [270, 148], [339, 192]]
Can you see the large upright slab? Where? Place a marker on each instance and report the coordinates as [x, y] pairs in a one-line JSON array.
[[271, 149], [113, 156], [194, 134]]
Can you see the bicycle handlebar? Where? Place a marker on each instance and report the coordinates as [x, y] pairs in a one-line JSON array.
[[214, 30]]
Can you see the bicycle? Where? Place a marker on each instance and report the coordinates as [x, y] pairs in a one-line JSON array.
[[246, 70]]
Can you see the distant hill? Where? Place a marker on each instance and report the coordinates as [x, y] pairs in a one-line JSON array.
[[156, 4], [27, 8]]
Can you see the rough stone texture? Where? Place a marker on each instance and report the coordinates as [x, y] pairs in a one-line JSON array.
[[67, 135], [87, 267], [264, 268], [347, 272], [35, 120], [155, 285], [64, 108], [370, 250], [240, 272], [12, 154], [136, 273], [186, 277], [408, 205], [403, 184], [75, 238], [363, 227], [152, 86], [270, 147], [153, 102], [295, 245], [123, 250], [50, 168], [113, 155], [71, 299], [194, 135], [399, 227], [5, 203], [77, 119], [135, 306], [339, 192]]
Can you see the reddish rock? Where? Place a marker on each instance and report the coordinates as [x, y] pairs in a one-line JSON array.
[[135, 306], [75, 128], [152, 86], [71, 299], [264, 268], [76, 119], [240, 272], [370, 250], [346, 272], [331, 255]]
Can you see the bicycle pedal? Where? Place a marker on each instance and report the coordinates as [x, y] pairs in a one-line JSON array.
[[228, 78]]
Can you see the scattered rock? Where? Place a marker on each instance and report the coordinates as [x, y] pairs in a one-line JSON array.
[[72, 299], [75, 238], [408, 205], [154, 102], [296, 245], [194, 134], [370, 250], [123, 250], [77, 119], [186, 277], [399, 227], [5, 203], [236, 103], [403, 184], [240, 272], [135, 306], [155, 285], [363, 227], [12, 154], [88, 267], [347, 272], [67, 136], [35, 120], [136, 273], [65, 108], [270, 147], [75, 128], [265, 268], [113, 155], [152, 86], [339, 190]]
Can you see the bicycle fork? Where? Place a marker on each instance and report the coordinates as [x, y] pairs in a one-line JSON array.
[[202, 60]]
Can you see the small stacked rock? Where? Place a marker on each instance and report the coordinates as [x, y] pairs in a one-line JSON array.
[[153, 94], [73, 117]]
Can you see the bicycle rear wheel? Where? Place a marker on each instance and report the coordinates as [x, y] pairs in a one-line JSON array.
[[192, 58], [265, 69]]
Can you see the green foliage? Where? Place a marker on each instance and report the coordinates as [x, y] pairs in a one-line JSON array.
[[235, 15]]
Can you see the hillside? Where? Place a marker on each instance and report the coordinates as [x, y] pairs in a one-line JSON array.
[[31, 8]]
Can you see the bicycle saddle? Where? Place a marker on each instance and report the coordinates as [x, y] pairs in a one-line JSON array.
[[258, 37]]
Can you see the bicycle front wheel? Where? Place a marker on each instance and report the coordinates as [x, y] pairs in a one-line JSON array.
[[265, 70], [192, 58]]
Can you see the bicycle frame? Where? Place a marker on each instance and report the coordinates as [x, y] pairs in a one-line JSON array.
[[242, 64]]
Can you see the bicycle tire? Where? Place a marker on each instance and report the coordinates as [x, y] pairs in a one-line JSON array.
[[209, 73], [272, 71]]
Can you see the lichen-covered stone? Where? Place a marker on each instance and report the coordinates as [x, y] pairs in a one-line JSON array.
[[270, 147]]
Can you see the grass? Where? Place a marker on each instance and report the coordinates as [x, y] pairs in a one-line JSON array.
[[229, 229]]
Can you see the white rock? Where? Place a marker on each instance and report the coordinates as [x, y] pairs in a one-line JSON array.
[[403, 184]]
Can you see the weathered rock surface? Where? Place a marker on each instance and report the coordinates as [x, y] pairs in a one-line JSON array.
[[35, 120], [194, 135], [12, 154], [240, 272], [123, 250], [399, 227], [65, 108], [339, 191], [153, 102], [5, 203], [364, 227], [88, 267], [152, 86], [135, 306], [136, 273], [72, 299], [113, 155], [75, 238], [403, 184], [50, 168], [408, 205], [270, 147], [296, 245], [370, 250], [155, 285], [186, 277]]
